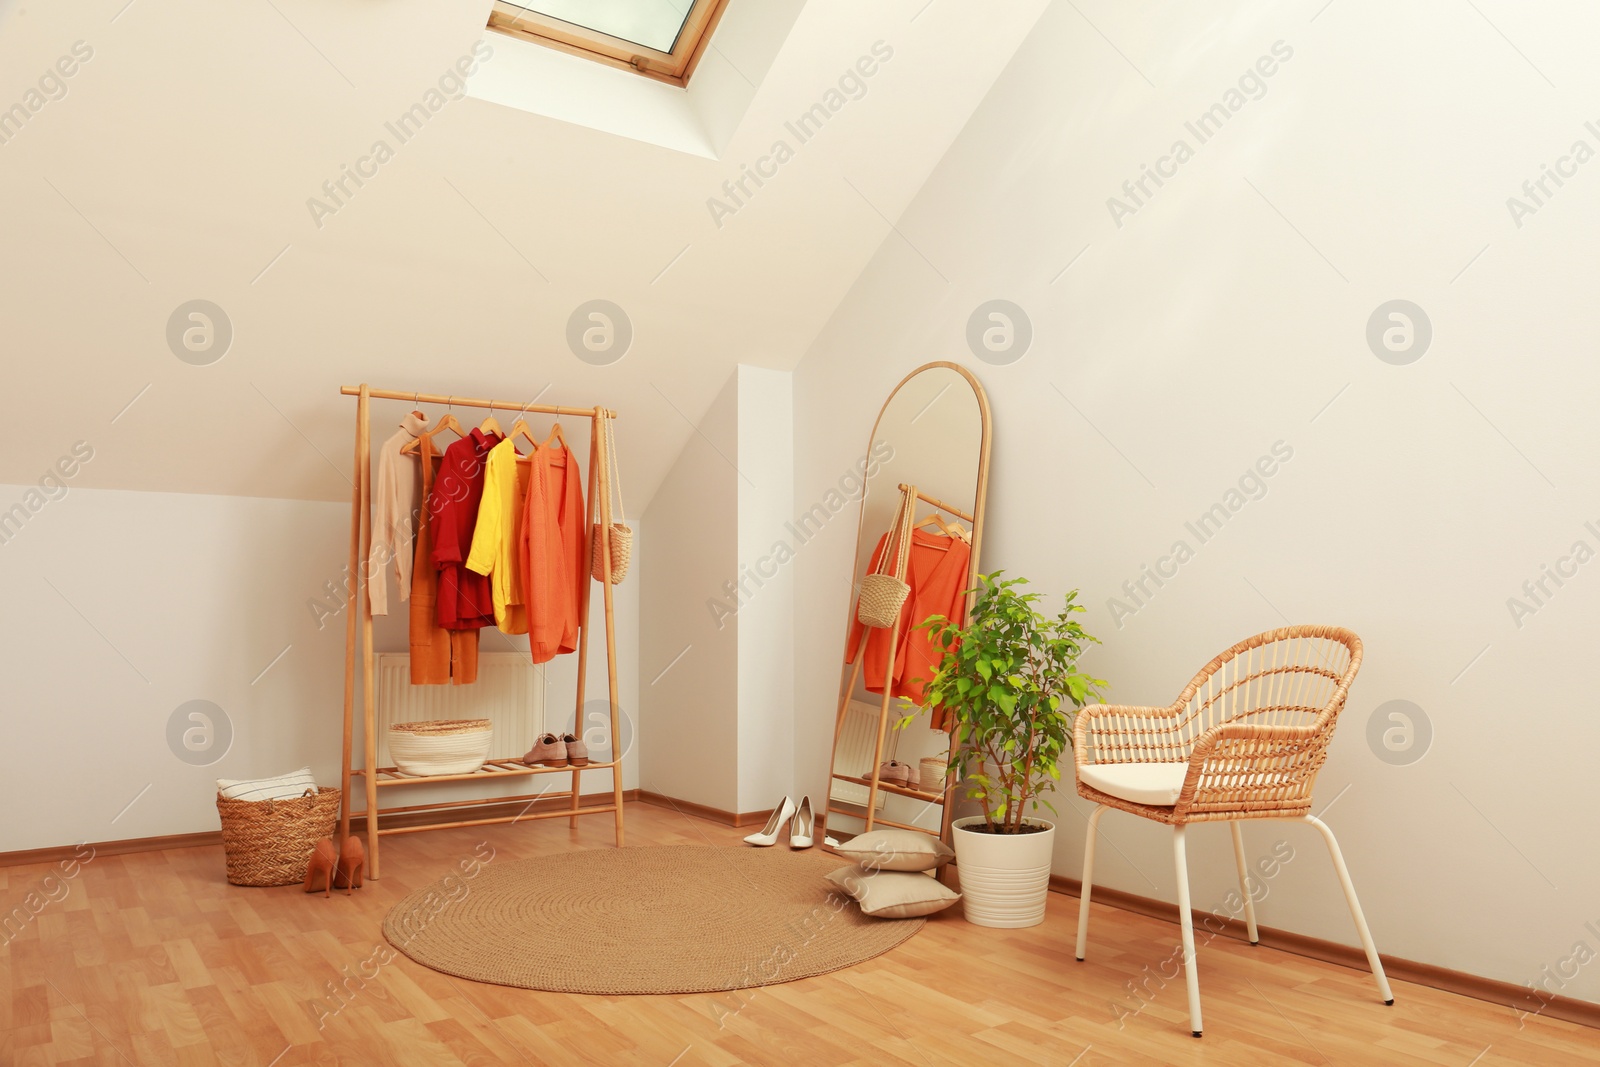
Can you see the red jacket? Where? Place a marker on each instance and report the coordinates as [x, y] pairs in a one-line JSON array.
[[466, 598]]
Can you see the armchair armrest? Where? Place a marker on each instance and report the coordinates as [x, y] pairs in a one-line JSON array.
[[1126, 733], [1241, 766]]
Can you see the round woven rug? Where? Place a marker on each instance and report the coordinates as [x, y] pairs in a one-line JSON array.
[[676, 919]]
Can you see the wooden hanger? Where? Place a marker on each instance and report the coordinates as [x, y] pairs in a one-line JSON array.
[[446, 422], [934, 520], [555, 435], [521, 426], [489, 425]]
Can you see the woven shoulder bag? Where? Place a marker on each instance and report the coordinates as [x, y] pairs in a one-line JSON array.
[[619, 534], [884, 590]]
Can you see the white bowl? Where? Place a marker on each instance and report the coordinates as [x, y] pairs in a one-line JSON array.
[[427, 754]]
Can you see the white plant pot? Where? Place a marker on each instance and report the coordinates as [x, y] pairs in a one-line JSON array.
[[1005, 878]]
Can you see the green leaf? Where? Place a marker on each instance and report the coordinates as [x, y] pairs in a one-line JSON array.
[[1009, 677]]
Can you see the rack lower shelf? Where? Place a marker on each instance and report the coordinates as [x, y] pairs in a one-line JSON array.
[[562, 813], [532, 806], [492, 769], [877, 820]]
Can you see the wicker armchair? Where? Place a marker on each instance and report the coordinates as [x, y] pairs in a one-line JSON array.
[[1244, 740]]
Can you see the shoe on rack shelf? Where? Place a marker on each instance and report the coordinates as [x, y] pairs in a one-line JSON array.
[[577, 751], [769, 835], [548, 751], [898, 773]]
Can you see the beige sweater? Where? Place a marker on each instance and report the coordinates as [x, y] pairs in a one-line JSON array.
[[395, 491]]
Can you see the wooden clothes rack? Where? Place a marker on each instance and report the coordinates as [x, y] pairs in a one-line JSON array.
[[873, 780], [493, 770]]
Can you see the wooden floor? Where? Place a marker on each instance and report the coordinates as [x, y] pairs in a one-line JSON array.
[[153, 959]]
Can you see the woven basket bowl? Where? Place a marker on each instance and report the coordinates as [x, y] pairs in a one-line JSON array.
[[268, 842], [933, 768], [440, 746]]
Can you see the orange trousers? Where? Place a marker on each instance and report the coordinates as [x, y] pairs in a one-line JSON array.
[[438, 656]]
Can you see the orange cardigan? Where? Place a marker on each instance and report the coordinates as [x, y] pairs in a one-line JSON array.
[[937, 574], [553, 543]]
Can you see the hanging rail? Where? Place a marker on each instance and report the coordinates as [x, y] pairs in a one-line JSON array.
[[473, 402], [925, 498]]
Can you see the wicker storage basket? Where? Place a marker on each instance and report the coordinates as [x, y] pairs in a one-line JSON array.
[[268, 842], [440, 746], [933, 768]]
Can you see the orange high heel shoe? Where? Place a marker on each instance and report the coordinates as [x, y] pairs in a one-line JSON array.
[[352, 862], [323, 860]]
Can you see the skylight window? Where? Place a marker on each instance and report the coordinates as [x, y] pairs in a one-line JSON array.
[[661, 39]]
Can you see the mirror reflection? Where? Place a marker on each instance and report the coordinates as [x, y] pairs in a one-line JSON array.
[[916, 556]]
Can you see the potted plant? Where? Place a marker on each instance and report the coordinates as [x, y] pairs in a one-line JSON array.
[[1010, 679]]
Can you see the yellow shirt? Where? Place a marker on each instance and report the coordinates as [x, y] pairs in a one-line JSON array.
[[494, 539]]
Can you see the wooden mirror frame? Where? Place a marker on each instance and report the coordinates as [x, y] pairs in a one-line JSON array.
[[848, 680]]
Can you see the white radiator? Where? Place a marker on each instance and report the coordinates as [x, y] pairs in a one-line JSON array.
[[509, 693], [857, 740]]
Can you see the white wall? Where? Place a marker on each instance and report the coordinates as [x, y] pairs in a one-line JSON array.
[[717, 646], [689, 657], [766, 616], [457, 266], [159, 599], [125, 605], [1229, 313]]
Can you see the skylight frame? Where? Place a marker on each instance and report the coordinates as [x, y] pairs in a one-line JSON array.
[[675, 67]]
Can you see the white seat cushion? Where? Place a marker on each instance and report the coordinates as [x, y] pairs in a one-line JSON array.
[[1156, 784]]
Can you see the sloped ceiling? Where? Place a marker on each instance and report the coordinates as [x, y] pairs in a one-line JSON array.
[[177, 161]]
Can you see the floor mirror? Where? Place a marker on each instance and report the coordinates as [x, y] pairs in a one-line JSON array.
[[929, 452]]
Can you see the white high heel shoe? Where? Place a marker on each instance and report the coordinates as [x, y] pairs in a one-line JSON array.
[[803, 826], [769, 835]]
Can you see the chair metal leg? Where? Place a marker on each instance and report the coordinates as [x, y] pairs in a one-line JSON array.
[[1191, 977], [1244, 883], [1088, 880], [1355, 908]]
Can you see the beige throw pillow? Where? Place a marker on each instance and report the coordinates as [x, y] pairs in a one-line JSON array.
[[897, 850], [893, 894]]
